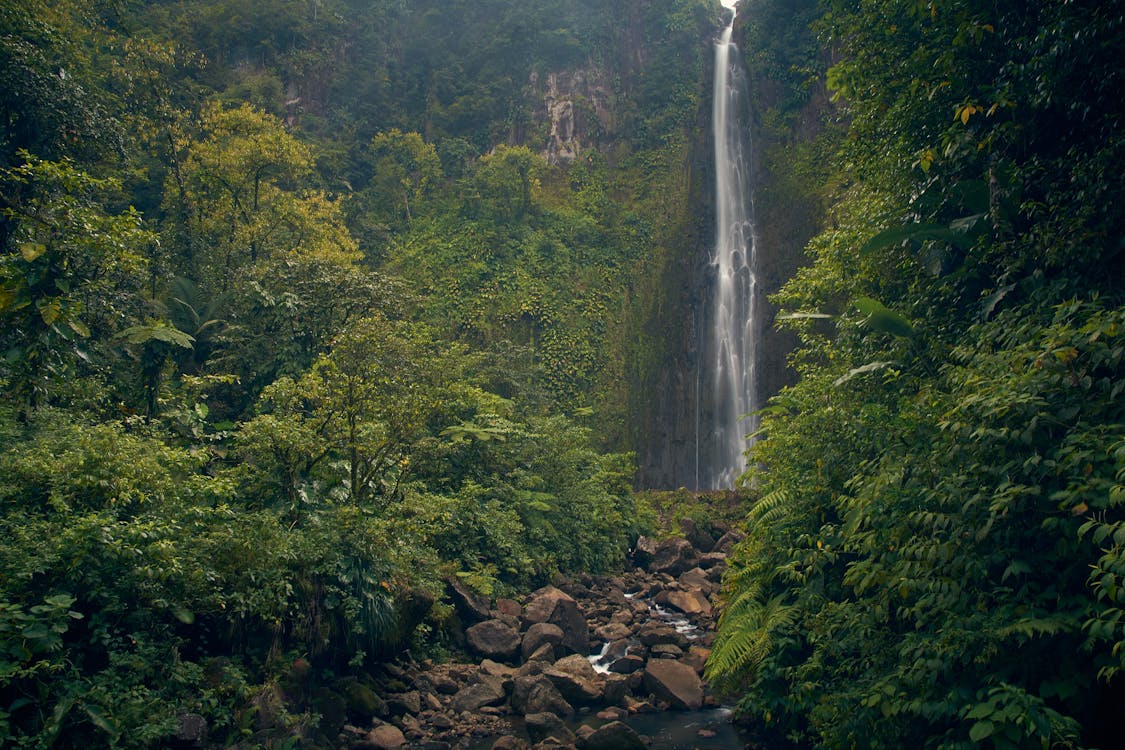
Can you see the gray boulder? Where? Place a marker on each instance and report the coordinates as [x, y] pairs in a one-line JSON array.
[[675, 683], [494, 639]]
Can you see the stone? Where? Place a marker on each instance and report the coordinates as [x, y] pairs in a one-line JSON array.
[[400, 704], [576, 632], [469, 605], [542, 603], [540, 726], [509, 607], [673, 556], [696, 578], [615, 735], [666, 651], [545, 653], [712, 560], [643, 552], [386, 737], [535, 694], [652, 633], [509, 743], [539, 634], [627, 664], [699, 538], [696, 658], [496, 669], [576, 680], [616, 688], [675, 683], [614, 631], [494, 639], [692, 602], [361, 701], [488, 692], [727, 541]]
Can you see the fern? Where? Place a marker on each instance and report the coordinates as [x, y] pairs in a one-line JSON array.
[[771, 508], [747, 634]]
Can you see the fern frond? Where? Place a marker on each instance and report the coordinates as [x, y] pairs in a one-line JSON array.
[[770, 508]]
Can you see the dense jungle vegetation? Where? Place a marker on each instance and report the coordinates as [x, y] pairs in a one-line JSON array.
[[297, 322], [936, 556]]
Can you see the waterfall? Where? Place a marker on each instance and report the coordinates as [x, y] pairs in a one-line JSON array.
[[728, 368]]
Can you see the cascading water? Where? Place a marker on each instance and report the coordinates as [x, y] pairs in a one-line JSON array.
[[729, 363]]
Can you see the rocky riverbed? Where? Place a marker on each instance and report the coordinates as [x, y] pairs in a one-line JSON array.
[[594, 649]]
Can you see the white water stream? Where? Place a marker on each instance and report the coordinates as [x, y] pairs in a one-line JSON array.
[[729, 367]]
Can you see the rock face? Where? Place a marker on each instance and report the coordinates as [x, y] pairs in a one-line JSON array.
[[576, 108], [494, 639], [675, 683]]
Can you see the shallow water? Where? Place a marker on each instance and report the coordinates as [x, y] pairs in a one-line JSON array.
[[668, 730]]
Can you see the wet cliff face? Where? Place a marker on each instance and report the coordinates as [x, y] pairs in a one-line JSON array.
[[575, 109], [674, 406]]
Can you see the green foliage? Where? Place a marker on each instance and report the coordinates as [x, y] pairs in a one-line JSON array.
[[933, 560]]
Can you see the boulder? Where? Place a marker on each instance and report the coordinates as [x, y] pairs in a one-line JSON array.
[[643, 552], [545, 653], [673, 556], [653, 633], [712, 560], [385, 737], [696, 658], [469, 605], [534, 694], [543, 725], [699, 538], [404, 703], [576, 680], [509, 743], [727, 541], [542, 603], [494, 639], [613, 736], [488, 692], [675, 683], [614, 631], [539, 634], [627, 664], [361, 701], [509, 607], [690, 602], [696, 578], [616, 688], [576, 632]]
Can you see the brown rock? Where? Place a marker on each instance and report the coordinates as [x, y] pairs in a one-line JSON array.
[[576, 680], [488, 692], [509, 607], [696, 658], [691, 602], [543, 725], [614, 736], [542, 604], [675, 683], [673, 556], [494, 639], [536, 694], [627, 664], [539, 634], [509, 743], [643, 552], [386, 737], [576, 633], [469, 605]]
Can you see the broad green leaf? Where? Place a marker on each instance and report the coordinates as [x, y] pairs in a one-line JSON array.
[[981, 730], [882, 319]]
